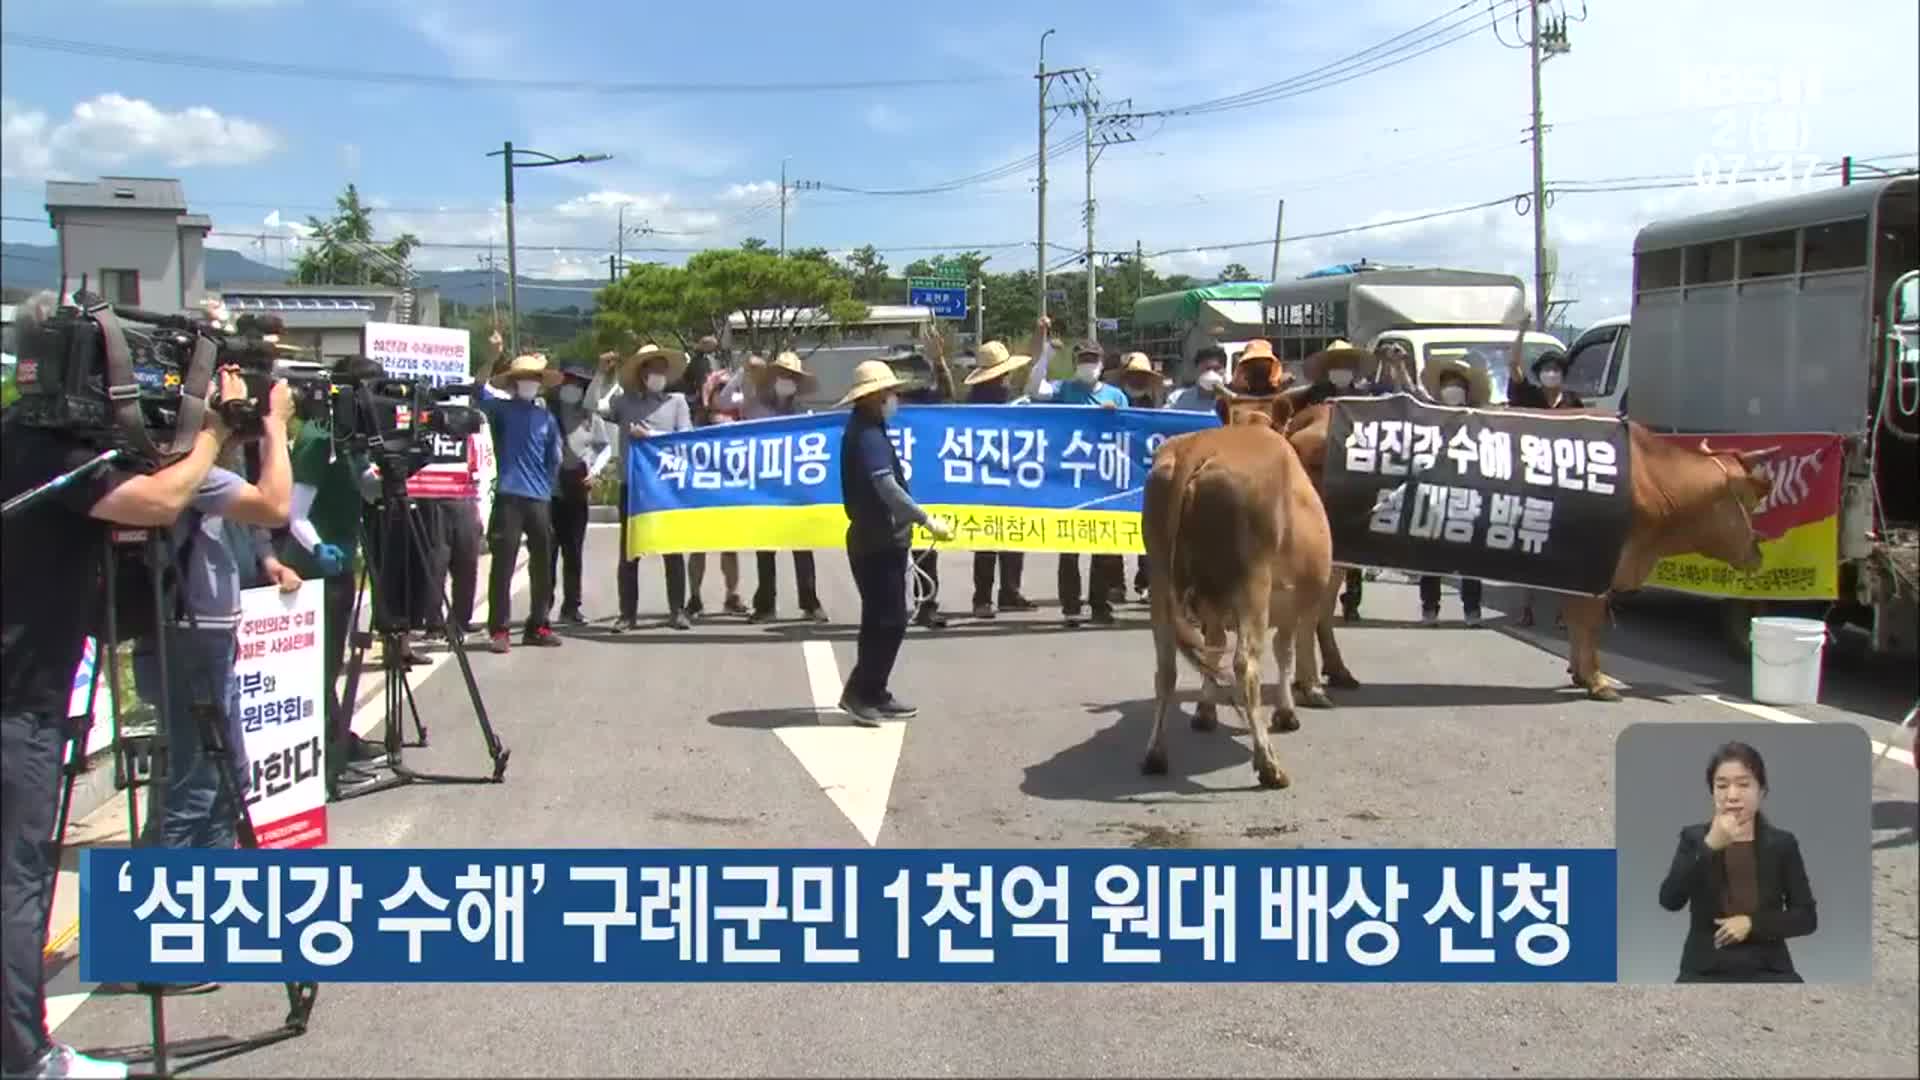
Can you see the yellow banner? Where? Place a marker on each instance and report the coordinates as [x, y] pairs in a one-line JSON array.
[[824, 525], [1802, 564]]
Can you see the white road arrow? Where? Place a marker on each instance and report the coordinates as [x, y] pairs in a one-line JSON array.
[[853, 765]]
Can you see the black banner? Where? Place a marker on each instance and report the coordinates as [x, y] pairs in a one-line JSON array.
[[1528, 498]]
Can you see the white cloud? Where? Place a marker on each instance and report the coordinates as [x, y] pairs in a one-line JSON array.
[[884, 118], [112, 130]]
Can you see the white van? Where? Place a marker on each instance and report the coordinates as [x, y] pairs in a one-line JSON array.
[[1597, 364]]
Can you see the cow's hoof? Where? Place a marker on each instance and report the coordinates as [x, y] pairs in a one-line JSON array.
[[1284, 720], [1313, 697], [1603, 692], [1155, 763], [1342, 680], [1272, 776], [1206, 716]]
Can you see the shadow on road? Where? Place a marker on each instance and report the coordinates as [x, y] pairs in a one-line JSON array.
[[769, 719], [654, 631], [1106, 767], [1469, 695], [1901, 814]]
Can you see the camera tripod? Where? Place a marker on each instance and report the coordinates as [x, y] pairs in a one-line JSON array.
[[128, 756], [400, 533]]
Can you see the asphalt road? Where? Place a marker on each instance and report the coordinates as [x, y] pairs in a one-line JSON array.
[[1030, 735]]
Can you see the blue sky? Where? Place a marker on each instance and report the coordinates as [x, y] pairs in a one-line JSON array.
[[1438, 131]]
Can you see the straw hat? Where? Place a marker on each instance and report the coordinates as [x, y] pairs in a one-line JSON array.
[[788, 364], [993, 361], [1340, 354], [1135, 365], [532, 365], [870, 377], [1479, 385], [1258, 349], [675, 359], [1089, 348]]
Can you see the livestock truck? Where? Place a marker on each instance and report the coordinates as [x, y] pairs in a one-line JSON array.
[[1792, 322], [1433, 313]]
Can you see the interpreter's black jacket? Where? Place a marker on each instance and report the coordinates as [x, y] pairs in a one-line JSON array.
[[1697, 880]]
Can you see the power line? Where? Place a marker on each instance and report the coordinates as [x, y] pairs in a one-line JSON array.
[[1369, 61], [1266, 240], [233, 64]]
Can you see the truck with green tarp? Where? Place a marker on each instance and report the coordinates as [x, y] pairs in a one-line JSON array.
[[1172, 327]]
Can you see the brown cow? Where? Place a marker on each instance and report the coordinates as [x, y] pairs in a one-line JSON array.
[[1686, 501], [1237, 539]]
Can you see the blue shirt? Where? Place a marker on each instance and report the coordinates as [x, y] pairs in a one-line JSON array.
[[1075, 392], [865, 452], [526, 443], [223, 553]]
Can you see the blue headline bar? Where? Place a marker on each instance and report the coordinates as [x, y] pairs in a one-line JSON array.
[[746, 915]]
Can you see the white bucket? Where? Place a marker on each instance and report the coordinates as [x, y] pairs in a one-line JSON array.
[[1786, 660]]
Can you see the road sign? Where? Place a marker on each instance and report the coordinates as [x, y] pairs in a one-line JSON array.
[[947, 302], [1107, 324], [1058, 296]]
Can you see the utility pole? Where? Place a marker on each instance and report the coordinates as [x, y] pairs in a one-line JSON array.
[[783, 202], [979, 312], [1138, 260], [620, 243], [1040, 240], [1279, 218], [1088, 104], [1545, 43], [513, 263]]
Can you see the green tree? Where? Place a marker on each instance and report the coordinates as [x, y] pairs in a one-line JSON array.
[[1236, 272], [342, 250], [753, 243], [869, 270], [774, 295]]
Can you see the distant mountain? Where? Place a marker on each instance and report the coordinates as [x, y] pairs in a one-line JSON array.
[[33, 266]]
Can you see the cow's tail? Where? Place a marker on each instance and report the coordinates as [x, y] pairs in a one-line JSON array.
[[1203, 588]]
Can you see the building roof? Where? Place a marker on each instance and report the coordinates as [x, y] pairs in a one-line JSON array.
[[877, 314], [194, 221], [287, 289], [118, 193]]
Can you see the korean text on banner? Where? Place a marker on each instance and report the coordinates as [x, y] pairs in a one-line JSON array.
[[1798, 523], [1524, 497], [1036, 478], [437, 356], [873, 915], [283, 715]]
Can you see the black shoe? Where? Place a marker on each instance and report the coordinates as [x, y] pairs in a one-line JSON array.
[[571, 615], [759, 617], [1071, 615], [543, 638], [1016, 602], [983, 611], [625, 623], [679, 621], [931, 618], [359, 749], [1103, 617], [895, 709], [734, 606], [695, 608], [815, 615], [863, 714]]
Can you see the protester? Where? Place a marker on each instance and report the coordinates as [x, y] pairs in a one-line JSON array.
[[1145, 389], [526, 441], [640, 406], [1105, 572], [880, 520], [1209, 384], [332, 487], [1336, 371], [1457, 382], [937, 389], [989, 383], [1547, 390], [44, 624], [770, 390], [715, 400], [585, 450], [1258, 372]]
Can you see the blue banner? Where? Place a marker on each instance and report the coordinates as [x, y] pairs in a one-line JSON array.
[[743, 915], [1010, 477]]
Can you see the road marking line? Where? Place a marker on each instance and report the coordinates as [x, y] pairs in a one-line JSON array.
[[1780, 716], [854, 766]]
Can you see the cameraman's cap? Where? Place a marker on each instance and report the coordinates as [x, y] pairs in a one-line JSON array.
[[532, 366]]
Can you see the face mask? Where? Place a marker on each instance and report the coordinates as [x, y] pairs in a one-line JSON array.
[[1340, 377], [890, 407], [1549, 378], [785, 388], [656, 383], [1087, 373], [526, 390], [1210, 380], [570, 394], [1453, 395]]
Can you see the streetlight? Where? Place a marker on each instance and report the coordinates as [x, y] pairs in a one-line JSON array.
[[508, 164]]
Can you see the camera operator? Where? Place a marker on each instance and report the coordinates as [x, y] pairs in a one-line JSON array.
[[331, 487], [43, 630], [216, 551]]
